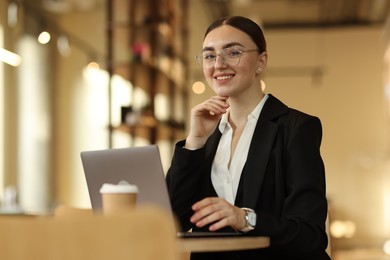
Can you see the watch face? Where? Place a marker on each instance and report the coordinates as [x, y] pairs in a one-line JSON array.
[[252, 219]]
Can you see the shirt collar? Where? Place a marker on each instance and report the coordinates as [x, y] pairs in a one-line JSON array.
[[224, 122], [255, 114]]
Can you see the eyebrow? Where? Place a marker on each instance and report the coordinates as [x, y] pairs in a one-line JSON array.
[[228, 45]]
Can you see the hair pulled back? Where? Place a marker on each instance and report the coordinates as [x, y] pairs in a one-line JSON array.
[[243, 24]]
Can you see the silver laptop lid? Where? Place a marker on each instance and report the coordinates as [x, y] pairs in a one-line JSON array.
[[136, 165]]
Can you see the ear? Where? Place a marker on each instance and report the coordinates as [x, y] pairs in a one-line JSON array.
[[262, 62]]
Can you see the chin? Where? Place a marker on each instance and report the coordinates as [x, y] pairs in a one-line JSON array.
[[221, 92]]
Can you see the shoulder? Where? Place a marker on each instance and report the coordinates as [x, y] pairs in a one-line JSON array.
[[291, 123], [278, 112]]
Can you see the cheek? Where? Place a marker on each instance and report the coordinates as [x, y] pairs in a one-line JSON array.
[[248, 70], [208, 75]]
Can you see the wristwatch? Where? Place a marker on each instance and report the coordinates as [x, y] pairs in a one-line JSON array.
[[250, 220]]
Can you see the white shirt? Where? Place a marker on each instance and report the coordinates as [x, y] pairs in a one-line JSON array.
[[225, 180]]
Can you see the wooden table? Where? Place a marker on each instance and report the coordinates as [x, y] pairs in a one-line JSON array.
[[214, 244]]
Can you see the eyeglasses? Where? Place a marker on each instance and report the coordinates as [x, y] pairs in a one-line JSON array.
[[230, 57]]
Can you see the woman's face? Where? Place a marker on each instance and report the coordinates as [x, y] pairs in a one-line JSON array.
[[233, 80]]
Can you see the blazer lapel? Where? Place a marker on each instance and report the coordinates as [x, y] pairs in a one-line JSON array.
[[259, 151], [255, 166], [212, 144]]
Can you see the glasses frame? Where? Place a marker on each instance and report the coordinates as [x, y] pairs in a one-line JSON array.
[[222, 54]]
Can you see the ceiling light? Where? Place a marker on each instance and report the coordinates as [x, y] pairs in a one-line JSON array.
[[10, 58], [44, 37]]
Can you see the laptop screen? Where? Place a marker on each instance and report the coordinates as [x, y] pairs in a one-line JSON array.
[[136, 165]]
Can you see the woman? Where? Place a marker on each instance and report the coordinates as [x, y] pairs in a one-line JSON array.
[[249, 163]]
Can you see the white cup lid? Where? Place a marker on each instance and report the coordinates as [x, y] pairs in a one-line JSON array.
[[121, 187]]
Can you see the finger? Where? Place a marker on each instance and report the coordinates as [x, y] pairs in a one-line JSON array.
[[231, 217], [226, 216], [220, 224], [210, 210], [203, 212], [205, 208], [214, 108], [219, 101], [204, 202], [210, 218], [222, 98], [219, 219]]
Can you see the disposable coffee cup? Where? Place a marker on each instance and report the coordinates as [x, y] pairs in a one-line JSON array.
[[118, 198]]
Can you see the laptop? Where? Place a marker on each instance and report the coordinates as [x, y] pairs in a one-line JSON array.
[[137, 165]]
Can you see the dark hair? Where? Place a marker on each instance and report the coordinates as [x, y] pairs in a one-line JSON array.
[[243, 24]]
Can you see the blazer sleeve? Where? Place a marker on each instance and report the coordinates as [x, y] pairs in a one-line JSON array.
[[183, 178]]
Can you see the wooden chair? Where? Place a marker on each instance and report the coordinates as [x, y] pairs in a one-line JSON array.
[[144, 234]]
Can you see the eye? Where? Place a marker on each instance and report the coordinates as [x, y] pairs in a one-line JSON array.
[[233, 53], [208, 56]]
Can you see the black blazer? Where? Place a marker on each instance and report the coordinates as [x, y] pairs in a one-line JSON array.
[[283, 180]]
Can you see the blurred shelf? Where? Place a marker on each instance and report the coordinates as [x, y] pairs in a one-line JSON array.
[[149, 46]]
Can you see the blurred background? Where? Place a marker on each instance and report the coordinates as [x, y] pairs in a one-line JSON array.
[[81, 75]]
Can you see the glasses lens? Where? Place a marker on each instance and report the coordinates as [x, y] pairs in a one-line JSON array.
[[230, 57], [208, 59]]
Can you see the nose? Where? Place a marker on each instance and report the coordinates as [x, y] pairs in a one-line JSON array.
[[220, 61]]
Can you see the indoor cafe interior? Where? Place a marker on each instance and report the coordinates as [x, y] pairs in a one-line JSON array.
[[79, 75]]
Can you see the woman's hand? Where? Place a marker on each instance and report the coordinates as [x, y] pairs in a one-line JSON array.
[[204, 119], [219, 212]]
